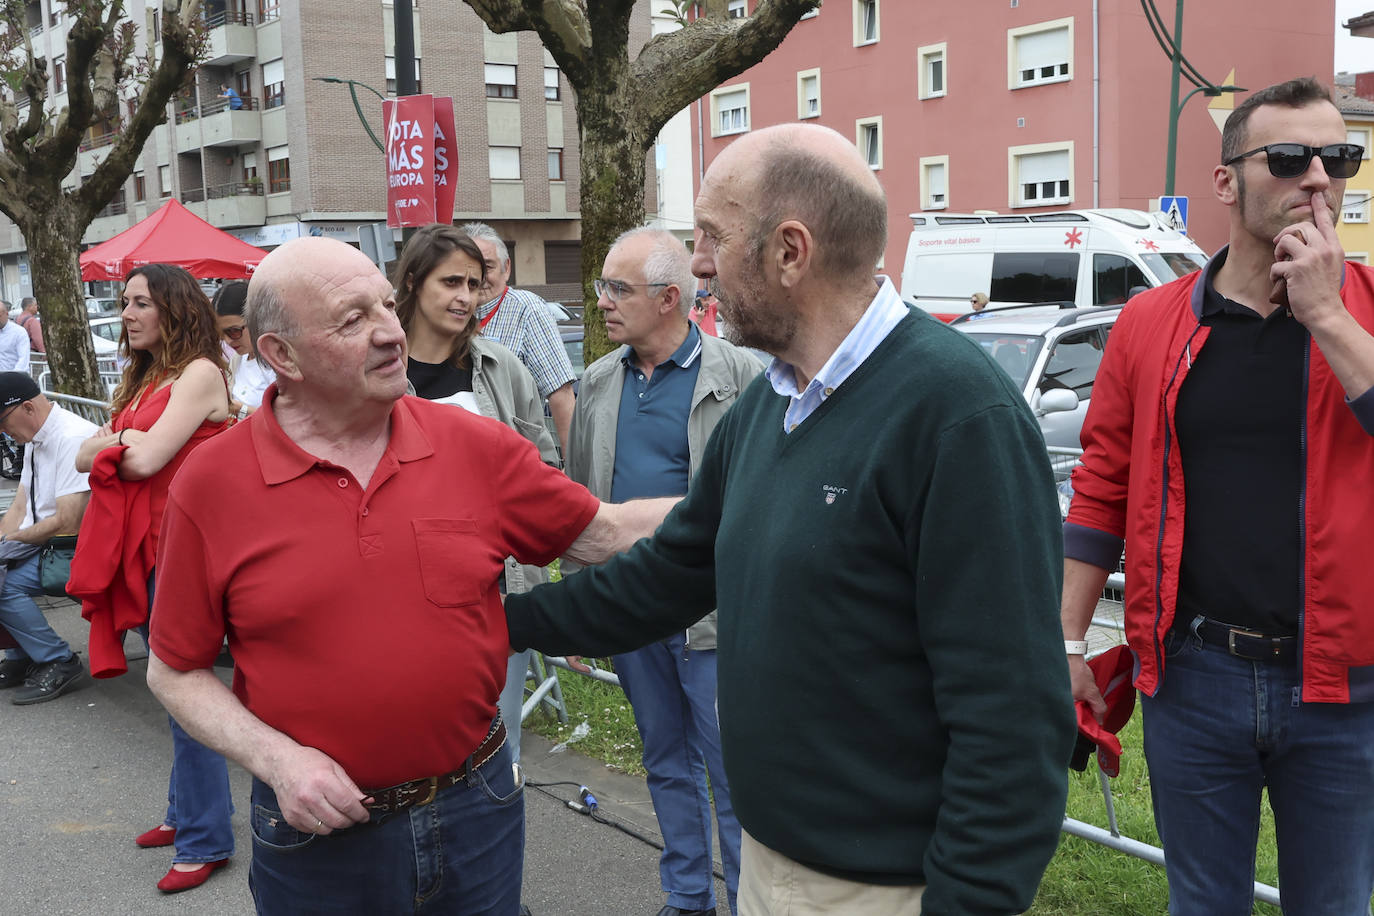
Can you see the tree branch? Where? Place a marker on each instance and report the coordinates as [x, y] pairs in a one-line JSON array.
[[562, 25], [668, 73], [180, 47]]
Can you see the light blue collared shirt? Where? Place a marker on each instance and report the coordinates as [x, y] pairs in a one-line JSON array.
[[883, 314]]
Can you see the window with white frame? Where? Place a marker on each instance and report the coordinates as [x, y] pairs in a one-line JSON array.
[[1040, 175], [809, 93], [865, 22], [500, 81], [504, 163], [273, 84], [1359, 135], [391, 75], [278, 169], [869, 138], [735, 10], [1041, 53], [1355, 207], [931, 77], [555, 165], [551, 90], [164, 180], [934, 182], [730, 110]]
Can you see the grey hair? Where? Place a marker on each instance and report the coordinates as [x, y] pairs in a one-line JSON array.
[[483, 233], [265, 311], [847, 217], [669, 262]]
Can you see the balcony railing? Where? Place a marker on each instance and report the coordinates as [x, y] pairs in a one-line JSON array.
[[215, 192], [89, 143], [215, 106], [228, 17], [116, 207]]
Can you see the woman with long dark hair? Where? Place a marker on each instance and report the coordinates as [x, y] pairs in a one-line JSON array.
[[172, 397], [437, 281]]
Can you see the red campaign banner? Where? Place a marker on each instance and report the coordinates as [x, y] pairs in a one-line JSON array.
[[445, 160], [409, 124]]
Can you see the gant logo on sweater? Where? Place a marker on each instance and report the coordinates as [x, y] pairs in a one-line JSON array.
[[833, 493]]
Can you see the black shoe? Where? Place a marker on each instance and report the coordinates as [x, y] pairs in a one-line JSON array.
[[674, 911], [49, 681], [525, 911], [13, 671]]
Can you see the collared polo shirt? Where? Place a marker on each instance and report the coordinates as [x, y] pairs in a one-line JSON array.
[[523, 325], [52, 454], [365, 622], [1239, 417], [883, 314], [651, 456]]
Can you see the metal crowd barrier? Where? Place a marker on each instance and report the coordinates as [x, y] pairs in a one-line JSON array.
[[98, 412], [1063, 461]]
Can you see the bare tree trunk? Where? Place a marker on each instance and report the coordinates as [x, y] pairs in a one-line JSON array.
[[57, 287]]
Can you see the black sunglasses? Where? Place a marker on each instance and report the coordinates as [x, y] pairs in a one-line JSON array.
[[233, 333], [1289, 160]]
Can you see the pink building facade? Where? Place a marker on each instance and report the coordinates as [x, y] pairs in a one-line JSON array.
[[1020, 105]]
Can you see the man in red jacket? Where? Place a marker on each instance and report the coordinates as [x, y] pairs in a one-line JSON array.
[[1230, 447]]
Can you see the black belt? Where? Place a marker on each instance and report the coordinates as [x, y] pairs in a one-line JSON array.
[[422, 791], [1247, 644]]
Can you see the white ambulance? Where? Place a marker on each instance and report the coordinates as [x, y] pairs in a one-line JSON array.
[[1075, 257]]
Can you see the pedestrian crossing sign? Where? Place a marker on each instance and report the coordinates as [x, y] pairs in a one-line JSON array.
[[1175, 210]]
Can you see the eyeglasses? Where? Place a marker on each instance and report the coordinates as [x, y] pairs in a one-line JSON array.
[[235, 332], [1289, 160], [614, 290]]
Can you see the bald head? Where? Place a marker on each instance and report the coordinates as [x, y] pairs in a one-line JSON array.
[[814, 175], [293, 276]]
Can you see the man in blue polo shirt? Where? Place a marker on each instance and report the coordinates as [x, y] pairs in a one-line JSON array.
[[641, 422]]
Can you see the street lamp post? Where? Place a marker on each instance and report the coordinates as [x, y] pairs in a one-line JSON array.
[[1176, 106], [352, 91]]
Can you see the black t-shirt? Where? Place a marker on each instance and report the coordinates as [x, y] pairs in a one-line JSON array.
[[1240, 418], [433, 381]]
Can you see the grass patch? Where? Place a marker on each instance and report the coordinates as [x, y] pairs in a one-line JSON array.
[[1083, 879], [612, 737]]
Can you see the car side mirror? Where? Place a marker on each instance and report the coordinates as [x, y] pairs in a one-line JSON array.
[[1057, 400]]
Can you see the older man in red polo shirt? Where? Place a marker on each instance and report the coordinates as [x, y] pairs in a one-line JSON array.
[[349, 541]]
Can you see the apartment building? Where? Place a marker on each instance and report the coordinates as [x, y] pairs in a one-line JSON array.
[[293, 158], [1356, 102], [1020, 105]]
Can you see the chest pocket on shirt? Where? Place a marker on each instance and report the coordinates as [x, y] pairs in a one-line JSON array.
[[449, 552]]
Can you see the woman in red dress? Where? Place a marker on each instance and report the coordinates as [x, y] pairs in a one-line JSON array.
[[173, 396]]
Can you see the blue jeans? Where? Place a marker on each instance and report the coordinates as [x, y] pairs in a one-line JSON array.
[[26, 623], [462, 854], [199, 804], [513, 699], [1218, 731], [673, 691]]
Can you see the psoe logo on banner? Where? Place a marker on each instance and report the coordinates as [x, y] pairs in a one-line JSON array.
[[410, 160]]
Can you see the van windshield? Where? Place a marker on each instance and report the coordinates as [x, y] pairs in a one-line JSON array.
[[1171, 265], [1015, 353]]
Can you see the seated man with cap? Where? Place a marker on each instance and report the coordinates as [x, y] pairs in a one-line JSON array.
[[50, 501]]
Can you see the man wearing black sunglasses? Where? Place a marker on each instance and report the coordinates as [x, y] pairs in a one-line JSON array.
[[1232, 436]]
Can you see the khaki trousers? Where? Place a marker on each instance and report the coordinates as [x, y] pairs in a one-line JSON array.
[[770, 884]]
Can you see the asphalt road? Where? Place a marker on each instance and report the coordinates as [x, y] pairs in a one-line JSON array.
[[82, 775]]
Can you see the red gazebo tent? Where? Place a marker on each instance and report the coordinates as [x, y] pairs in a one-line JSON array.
[[172, 235]]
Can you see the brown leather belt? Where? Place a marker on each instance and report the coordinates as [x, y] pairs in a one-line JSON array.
[[422, 791]]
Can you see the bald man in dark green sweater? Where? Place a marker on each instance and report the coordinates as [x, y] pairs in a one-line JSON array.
[[876, 523]]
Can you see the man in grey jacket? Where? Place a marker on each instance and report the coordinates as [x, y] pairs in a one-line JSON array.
[[642, 419]]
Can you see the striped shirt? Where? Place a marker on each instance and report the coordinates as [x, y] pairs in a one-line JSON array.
[[882, 315], [523, 324]]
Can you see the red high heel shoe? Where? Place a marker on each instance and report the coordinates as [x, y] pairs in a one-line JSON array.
[[158, 836], [174, 882]]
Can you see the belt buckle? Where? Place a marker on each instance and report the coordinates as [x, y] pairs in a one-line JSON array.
[[433, 790], [1231, 635]]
